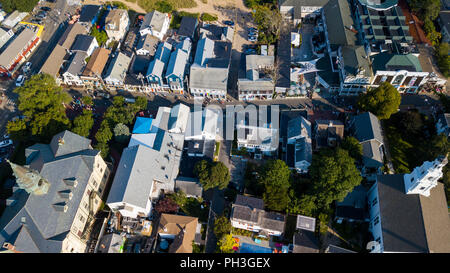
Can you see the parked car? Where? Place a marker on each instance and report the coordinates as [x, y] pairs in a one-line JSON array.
[[46, 8], [130, 100], [250, 51], [26, 67], [252, 39], [6, 136], [6, 143], [20, 80], [253, 29], [42, 14], [229, 23]]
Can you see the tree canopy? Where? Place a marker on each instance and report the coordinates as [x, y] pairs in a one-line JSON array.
[[83, 123], [382, 101], [41, 102], [121, 132], [275, 178], [104, 134], [212, 175], [222, 226], [269, 23], [334, 175], [20, 5], [353, 147]]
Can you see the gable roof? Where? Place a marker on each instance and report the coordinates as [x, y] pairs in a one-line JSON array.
[[188, 26], [54, 61], [339, 21], [177, 64], [82, 42], [70, 34], [154, 20], [88, 13], [17, 46], [97, 62], [367, 127]]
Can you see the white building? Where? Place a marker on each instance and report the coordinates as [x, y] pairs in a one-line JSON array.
[[299, 144], [248, 213], [117, 23], [117, 70], [408, 213], [155, 23], [202, 125], [150, 164]]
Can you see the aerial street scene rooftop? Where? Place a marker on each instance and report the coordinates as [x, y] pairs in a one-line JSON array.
[[224, 126]]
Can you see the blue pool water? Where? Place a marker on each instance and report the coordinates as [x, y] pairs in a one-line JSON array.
[[248, 248]]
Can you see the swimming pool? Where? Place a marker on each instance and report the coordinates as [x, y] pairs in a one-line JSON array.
[[248, 248]]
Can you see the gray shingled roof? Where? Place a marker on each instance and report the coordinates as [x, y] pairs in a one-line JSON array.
[[70, 34], [188, 185], [77, 63], [367, 127], [118, 68], [339, 21], [188, 26], [82, 42], [149, 43], [16, 47], [305, 242], [177, 64], [154, 20], [33, 224]]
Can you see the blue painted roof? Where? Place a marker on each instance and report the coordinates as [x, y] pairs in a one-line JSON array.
[[142, 125]]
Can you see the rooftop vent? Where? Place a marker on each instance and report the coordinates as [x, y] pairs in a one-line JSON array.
[[61, 207], [60, 141], [71, 182]]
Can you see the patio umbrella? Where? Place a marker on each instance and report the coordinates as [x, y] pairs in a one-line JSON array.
[[164, 244]]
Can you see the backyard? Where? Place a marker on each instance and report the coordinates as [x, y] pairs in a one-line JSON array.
[[407, 132]]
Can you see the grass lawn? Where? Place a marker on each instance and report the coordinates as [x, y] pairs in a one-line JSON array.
[[408, 149], [150, 5]]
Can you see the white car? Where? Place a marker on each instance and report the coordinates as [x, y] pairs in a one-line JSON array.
[[26, 67], [6, 143], [20, 80]]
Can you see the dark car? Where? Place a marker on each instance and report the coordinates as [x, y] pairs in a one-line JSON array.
[[228, 23], [46, 8]]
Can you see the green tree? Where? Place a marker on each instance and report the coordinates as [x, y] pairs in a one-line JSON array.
[[212, 175], [353, 147], [269, 23], [99, 35], [226, 244], [21, 5], [87, 100], [104, 134], [275, 177], [17, 130], [334, 175], [222, 226], [42, 103], [382, 101], [443, 59], [438, 146], [206, 17], [141, 103], [83, 123], [121, 132], [104, 149]]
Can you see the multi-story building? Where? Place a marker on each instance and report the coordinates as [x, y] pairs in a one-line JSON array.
[[155, 23], [150, 164], [92, 73], [328, 133], [408, 212], [18, 50], [248, 213], [299, 144], [297, 10], [73, 72], [257, 84], [84, 43], [117, 23], [147, 45], [117, 70], [89, 15], [55, 198], [208, 75], [157, 67]]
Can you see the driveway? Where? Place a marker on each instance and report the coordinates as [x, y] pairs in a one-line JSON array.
[[305, 52]]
